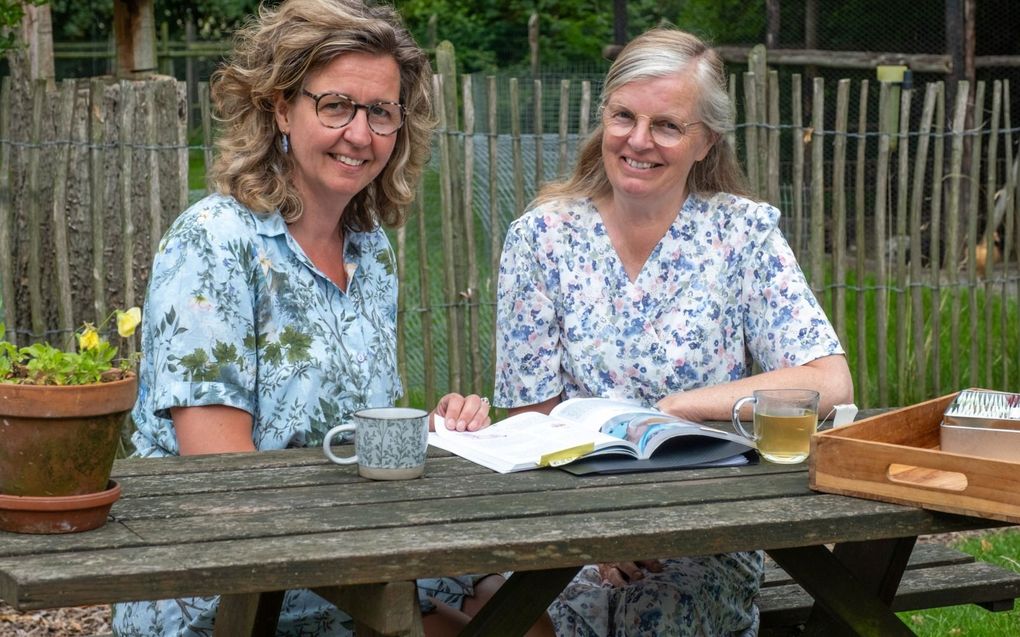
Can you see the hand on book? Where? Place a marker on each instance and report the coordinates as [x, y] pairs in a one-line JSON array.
[[620, 574], [462, 413]]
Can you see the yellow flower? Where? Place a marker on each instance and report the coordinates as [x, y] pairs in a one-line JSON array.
[[128, 321], [89, 339]]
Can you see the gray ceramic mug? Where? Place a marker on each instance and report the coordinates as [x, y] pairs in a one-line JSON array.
[[390, 442]]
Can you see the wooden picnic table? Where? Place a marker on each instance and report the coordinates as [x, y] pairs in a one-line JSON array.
[[249, 525]]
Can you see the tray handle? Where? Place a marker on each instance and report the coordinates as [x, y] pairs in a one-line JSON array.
[[926, 477]]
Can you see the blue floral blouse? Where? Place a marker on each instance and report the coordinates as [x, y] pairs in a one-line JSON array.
[[237, 315], [720, 290]]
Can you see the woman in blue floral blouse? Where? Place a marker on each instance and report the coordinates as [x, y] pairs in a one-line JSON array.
[[651, 275], [272, 305]]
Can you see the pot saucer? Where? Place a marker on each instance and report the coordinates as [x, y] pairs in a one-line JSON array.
[[58, 514]]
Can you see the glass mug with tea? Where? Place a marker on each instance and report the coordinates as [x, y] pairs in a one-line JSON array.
[[784, 420], [390, 443]]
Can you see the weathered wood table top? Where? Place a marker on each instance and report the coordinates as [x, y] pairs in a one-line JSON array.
[[260, 522]]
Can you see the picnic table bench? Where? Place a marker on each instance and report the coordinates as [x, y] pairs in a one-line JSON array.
[[247, 526]]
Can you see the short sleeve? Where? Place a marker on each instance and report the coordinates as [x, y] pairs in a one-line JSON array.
[[199, 336], [527, 331], [784, 324]]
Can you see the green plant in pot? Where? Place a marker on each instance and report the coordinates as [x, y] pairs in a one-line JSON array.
[[61, 414]]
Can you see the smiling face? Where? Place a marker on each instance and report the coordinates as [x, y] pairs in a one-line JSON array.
[[639, 170], [332, 165]]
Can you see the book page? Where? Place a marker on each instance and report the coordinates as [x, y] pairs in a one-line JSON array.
[[527, 440]]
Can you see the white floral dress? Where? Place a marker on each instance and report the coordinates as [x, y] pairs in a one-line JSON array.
[[237, 315], [720, 291]]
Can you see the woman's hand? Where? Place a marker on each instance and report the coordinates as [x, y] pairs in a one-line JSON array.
[[462, 413], [622, 573]]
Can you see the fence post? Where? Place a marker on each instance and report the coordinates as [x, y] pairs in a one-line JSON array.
[[7, 314]]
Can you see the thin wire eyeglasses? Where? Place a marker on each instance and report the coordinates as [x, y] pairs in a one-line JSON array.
[[665, 132], [335, 110]]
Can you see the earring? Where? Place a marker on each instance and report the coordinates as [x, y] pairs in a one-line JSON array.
[[285, 142]]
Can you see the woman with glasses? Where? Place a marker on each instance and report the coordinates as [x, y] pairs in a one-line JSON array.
[[272, 304], [652, 275]]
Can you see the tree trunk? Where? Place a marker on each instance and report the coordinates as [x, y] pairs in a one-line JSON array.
[[135, 32]]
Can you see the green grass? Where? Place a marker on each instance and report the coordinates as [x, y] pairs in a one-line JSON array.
[[1001, 548]]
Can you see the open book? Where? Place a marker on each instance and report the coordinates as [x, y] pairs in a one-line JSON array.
[[595, 435]]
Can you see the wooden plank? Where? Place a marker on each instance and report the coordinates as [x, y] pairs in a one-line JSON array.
[[900, 323], [799, 141], [972, 213], [991, 227], [34, 217], [471, 295], [816, 250], [563, 154], [7, 308], [839, 208], [404, 400], [58, 220], [539, 133], [731, 134], [495, 218], [773, 151], [751, 132], [425, 303], [937, 186], [952, 259], [529, 543], [881, 273], [758, 67], [97, 135], [128, 107], [447, 215], [862, 384], [584, 108], [515, 146], [919, 363], [205, 108], [155, 212], [1011, 231]]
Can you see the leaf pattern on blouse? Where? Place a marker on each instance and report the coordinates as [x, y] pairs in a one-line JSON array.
[[237, 315]]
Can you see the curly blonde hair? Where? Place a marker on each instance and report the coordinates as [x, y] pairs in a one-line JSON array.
[[662, 52], [272, 55]]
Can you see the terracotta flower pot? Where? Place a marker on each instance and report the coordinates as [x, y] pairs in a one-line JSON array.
[[61, 441], [64, 514]]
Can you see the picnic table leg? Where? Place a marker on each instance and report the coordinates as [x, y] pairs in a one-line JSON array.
[[519, 603], [254, 614], [378, 609], [852, 586]]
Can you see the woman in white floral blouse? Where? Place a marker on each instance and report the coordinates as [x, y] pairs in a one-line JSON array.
[[651, 275], [272, 305]]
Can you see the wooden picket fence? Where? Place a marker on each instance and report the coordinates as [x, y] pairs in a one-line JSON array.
[[888, 220]]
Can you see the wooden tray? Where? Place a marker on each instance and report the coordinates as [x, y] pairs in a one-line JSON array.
[[895, 457]]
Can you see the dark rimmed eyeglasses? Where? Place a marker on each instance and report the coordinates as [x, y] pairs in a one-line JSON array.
[[335, 110], [666, 131]]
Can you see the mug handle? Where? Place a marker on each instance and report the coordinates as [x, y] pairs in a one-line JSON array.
[[736, 417], [329, 452]]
